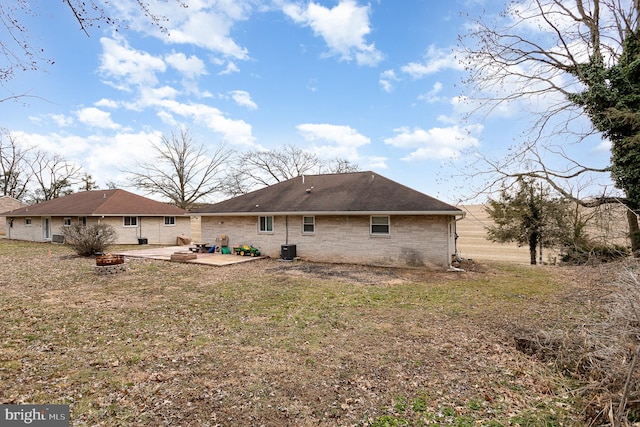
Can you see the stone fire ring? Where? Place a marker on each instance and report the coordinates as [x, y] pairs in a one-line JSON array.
[[110, 264]]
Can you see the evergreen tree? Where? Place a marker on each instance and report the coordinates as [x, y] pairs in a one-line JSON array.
[[526, 214], [612, 101]]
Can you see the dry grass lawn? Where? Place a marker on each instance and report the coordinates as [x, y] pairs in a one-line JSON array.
[[269, 343]]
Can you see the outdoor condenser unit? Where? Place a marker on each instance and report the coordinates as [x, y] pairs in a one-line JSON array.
[[288, 252]]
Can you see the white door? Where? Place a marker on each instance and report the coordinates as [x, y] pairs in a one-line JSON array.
[[46, 228]]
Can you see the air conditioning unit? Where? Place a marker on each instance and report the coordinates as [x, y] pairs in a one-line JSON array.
[[288, 252]]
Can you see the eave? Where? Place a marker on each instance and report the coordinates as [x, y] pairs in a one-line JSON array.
[[328, 213]]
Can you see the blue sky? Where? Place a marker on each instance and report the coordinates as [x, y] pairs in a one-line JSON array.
[[375, 82]]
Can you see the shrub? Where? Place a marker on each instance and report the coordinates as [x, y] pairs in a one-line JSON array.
[[602, 353], [88, 240], [597, 254]]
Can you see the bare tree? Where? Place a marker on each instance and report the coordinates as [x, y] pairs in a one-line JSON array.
[[260, 168], [87, 183], [547, 54], [14, 166], [183, 171], [279, 165], [339, 165], [53, 175]]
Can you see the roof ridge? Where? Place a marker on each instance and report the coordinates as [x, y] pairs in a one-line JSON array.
[[107, 199]]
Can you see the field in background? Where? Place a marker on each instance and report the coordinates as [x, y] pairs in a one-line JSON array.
[[473, 243], [607, 226]]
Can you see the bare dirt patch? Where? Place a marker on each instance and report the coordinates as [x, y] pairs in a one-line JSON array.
[[271, 343]]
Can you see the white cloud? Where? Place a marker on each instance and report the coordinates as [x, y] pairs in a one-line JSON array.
[[229, 69], [61, 120], [236, 132], [431, 96], [376, 163], [164, 100], [334, 140], [68, 146], [386, 80], [243, 99], [603, 147], [343, 28], [311, 86], [343, 135], [106, 103], [96, 118], [107, 157], [203, 23], [435, 143], [128, 66], [168, 119], [208, 29], [190, 67], [104, 157], [150, 97], [435, 61]]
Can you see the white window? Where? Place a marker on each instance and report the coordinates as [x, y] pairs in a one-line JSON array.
[[66, 222], [169, 220], [265, 224], [82, 221], [27, 222], [380, 225], [308, 224], [130, 221]]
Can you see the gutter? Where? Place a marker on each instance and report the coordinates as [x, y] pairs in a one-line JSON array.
[[328, 213]]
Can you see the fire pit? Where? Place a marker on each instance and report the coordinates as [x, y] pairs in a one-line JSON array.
[[110, 264], [109, 259]]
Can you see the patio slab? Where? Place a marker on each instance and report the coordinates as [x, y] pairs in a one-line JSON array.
[[164, 253]]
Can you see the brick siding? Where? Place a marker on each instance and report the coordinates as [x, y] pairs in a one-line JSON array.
[[151, 228], [7, 204], [414, 240]]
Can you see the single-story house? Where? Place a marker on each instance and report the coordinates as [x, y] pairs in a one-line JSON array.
[[135, 218], [7, 203], [358, 217]]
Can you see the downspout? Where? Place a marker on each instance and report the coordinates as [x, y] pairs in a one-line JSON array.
[[455, 242], [449, 243], [286, 228], [455, 231]]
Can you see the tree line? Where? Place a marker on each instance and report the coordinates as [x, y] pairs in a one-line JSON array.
[[183, 171], [578, 59]]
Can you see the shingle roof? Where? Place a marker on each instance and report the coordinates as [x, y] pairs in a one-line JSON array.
[[350, 193], [99, 202]]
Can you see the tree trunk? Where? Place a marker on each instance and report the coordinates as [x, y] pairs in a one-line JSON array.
[[634, 232], [533, 246]]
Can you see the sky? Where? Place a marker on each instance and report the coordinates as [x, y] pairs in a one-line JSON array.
[[376, 82]]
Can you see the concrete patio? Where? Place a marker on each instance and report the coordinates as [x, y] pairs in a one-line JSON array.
[[164, 253]]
